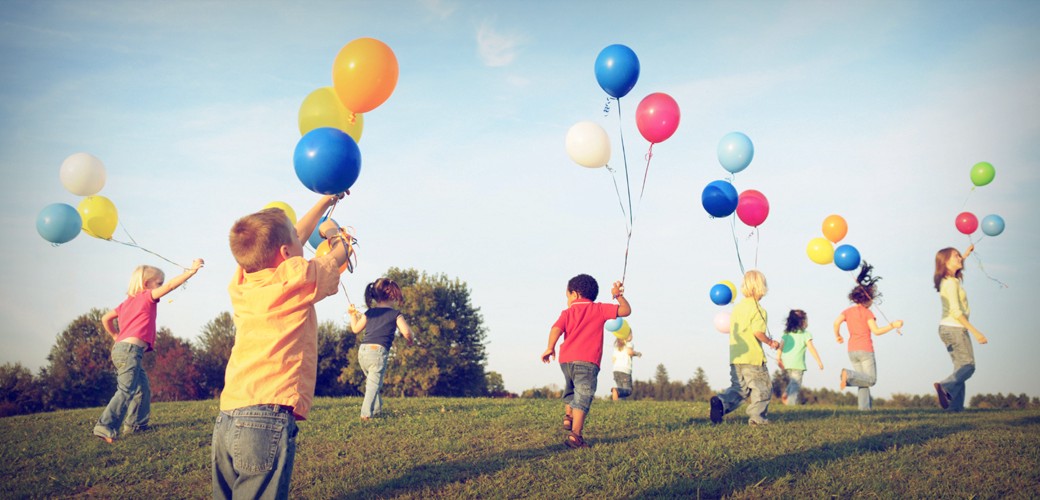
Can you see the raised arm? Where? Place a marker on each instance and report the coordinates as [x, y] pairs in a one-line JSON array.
[[357, 320], [876, 330], [176, 281], [305, 226], [624, 308]]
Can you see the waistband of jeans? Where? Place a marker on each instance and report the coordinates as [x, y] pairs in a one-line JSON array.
[[265, 407]]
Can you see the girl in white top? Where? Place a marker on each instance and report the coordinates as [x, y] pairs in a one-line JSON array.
[[954, 326], [623, 353]]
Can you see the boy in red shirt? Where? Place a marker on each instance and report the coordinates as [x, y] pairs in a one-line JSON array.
[[581, 325]]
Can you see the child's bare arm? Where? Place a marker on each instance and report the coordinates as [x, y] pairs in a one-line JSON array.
[[406, 331], [108, 321], [357, 320], [837, 328], [624, 308], [762, 337], [876, 330], [305, 226], [812, 350], [337, 241], [176, 281], [550, 352]]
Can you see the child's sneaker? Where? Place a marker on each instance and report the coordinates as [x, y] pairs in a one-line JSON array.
[[716, 410]]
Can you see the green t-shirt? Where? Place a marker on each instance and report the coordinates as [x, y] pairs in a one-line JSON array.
[[793, 354], [747, 318]]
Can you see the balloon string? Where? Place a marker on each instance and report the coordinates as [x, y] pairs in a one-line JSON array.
[[618, 192], [134, 245], [649, 156], [983, 269], [606, 107], [628, 189], [757, 243], [736, 245], [967, 197]]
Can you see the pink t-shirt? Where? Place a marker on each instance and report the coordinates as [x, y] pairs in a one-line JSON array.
[[582, 326], [856, 318], [137, 318]]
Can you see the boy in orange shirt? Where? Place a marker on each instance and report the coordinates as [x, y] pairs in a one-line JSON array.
[[269, 381]]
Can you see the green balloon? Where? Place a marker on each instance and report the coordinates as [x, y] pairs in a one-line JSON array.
[[982, 173]]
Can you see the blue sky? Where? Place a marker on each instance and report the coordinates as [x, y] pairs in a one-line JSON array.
[[875, 111]]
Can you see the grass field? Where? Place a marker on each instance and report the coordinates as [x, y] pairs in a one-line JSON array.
[[465, 448]]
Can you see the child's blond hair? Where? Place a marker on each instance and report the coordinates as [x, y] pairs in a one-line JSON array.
[[257, 238], [142, 276], [754, 285]]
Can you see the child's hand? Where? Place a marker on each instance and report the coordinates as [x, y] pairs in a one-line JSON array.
[[548, 355], [617, 290], [840, 339], [821, 365], [328, 228], [981, 339], [197, 264]]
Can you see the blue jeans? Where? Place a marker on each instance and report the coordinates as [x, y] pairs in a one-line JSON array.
[[253, 452], [794, 385], [372, 358], [863, 375], [623, 382], [580, 384], [132, 403], [751, 383], [958, 344]]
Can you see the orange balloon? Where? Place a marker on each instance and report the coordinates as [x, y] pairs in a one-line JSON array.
[[324, 248], [835, 228], [364, 74]]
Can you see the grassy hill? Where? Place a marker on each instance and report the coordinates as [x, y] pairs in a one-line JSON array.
[[464, 448]]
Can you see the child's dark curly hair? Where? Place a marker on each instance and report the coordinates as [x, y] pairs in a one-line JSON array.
[[797, 320], [382, 290], [585, 285], [866, 290]]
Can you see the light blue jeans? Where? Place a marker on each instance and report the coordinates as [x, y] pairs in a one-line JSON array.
[[958, 344], [794, 385], [372, 358], [623, 382], [580, 379], [863, 375], [253, 452], [750, 383], [132, 403]]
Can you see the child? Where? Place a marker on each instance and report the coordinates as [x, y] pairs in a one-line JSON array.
[[954, 326], [792, 357], [749, 378], [624, 351], [379, 323], [134, 335], [860, 323], [270, 377], [581, 325]]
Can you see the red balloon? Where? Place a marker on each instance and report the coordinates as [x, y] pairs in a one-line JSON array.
[[967, 223], [657, 117], [752, 207]]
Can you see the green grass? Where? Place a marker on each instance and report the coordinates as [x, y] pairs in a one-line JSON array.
[[465, 448]]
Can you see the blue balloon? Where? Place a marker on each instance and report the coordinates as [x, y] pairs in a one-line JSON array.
[[735, 152], [613, 325], [316, 238], [846, 257], [992, 225], [327, 160], [617, 69], [721, 294], [719, 198], [58, 223]]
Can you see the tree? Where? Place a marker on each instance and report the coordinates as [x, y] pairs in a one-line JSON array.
[[19, 391], [173, 373], [496, 387], [334, 345], [213, 352], [661, 384], [80, 373], [698, 386]]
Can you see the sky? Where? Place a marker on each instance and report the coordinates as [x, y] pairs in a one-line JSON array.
[[875, 111]]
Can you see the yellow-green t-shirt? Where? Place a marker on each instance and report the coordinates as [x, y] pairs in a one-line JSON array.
[[747, 318], [954, 301]]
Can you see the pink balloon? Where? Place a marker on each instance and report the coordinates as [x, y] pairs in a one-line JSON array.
[[657, 117], [967, 223], [722, 322], [752, 207]]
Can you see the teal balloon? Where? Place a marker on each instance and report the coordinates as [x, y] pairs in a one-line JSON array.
[[992, 225], [613, 325], [316, 238], [58, 223], [735, 152]]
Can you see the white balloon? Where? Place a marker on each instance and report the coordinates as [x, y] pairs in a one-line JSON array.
[[82, 174], [588, 144], [722, 321]]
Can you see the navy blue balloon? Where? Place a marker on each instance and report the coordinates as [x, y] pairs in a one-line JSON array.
[[58, 223], [617, 69], [327, 160], [721, 294], [719, 198], [846, 257]]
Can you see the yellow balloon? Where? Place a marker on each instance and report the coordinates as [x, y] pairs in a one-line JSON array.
[[732, 289], [820, 250], [322, 108], [285, 208], [623, 332], [99, 216]]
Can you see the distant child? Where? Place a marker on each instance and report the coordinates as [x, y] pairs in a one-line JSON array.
[[581, 325], [134, 334], [860, 323], [624, 351], [749, 378], [379, 322], [792, 357], [270, 377], [954, 326]]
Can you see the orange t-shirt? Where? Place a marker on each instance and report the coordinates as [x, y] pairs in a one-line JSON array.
[[275, 357], [856, 318]]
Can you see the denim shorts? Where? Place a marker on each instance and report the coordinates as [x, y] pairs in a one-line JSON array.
[[253, 452], [580, 378]]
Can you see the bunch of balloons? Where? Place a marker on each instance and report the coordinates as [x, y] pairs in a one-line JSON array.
[[982, 173], [822, 251], [619, 327], [82, 174], [723, 293], [327, 159], [720, 198]]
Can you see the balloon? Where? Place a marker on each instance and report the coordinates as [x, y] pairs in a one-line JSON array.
[[323, 249], [315, 238], [982, 173], [657, 117], [967, 223], [588, 145], [82, 174], [992, 225], [617, 69], [721, 294], [722, 321], [835, 228], [322, 108], [846, 257], [58, 223], [99, 216], [613, 324], [283, 206], [624, 331], [732, 288], [327, 160], [735, 152], [719, 198], [364, 74], [820, 251], [752, 207]]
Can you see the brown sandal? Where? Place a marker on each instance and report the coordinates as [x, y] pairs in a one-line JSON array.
[[575, 441], [567, 421]]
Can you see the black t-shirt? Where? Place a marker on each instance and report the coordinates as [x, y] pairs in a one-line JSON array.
[[381, 326]]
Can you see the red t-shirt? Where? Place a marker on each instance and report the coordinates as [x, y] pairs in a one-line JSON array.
[[856, 318], [582, 326], [137, 318]]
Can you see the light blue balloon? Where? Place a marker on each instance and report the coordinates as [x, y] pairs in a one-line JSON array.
[[735, 152], [316, 238], [846, 257], [613, 325], [58, 223], [992, 225]]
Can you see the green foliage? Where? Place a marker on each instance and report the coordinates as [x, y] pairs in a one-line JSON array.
[[999, 400], [80, 372], [20, 392], [334, 345], [173, 373], [213, 352]]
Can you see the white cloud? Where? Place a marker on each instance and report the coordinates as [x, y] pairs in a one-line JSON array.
[[496, 49]]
